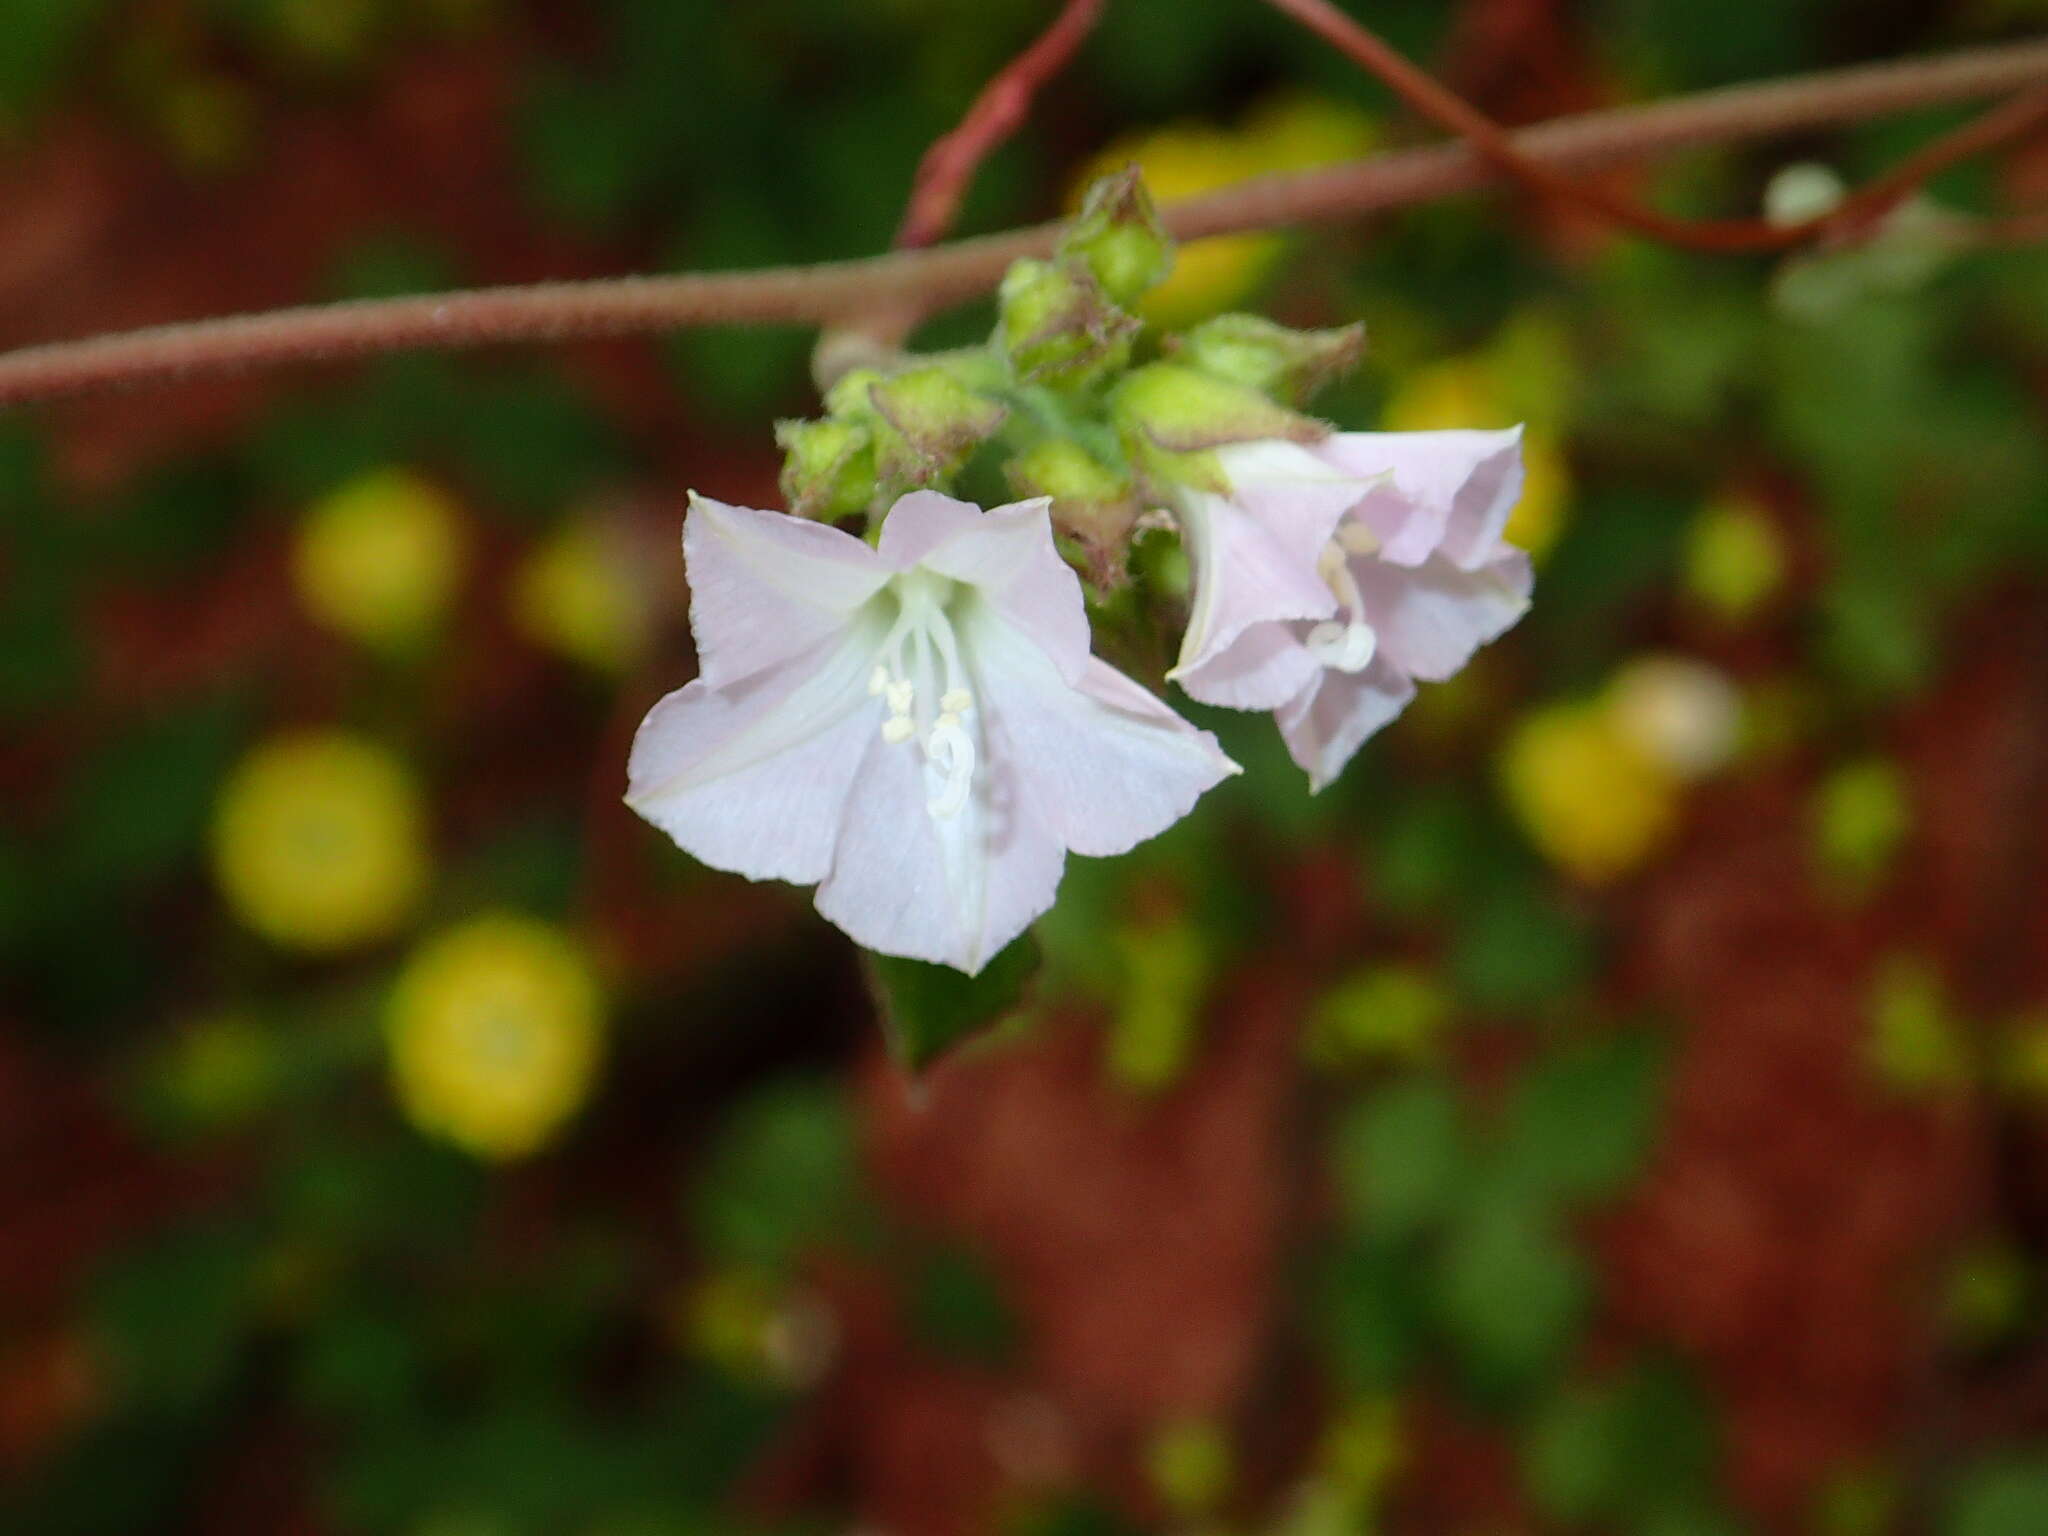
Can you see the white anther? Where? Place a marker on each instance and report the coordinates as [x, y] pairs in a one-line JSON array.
[[878, 681], [1346, 647], [956, 701], [946, 722], [898, 729], [901, 695]]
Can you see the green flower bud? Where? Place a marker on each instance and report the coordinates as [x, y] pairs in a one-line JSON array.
[[848, 396], [1119, 238], [927, 423], [1184, 410], [828, 467], [1057, 326], [1276, 360], [1093, 504]]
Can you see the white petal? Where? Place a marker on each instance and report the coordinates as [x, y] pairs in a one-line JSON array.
[[1451, 492], [1261, 669], [1432, 618], [754, 777], [1244, 575], [951, 890], [765, 586], [1105, 764], [1007, 553], [1332, 718]]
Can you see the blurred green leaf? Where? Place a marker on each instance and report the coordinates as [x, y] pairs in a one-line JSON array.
[[1510, 1291], [1582, 1119], [779, 1177], [2000, 1498], [1400, 1156], [1372, 1314], [926, 1010]]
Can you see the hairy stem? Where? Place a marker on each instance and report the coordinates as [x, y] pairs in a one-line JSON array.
[[930, 279]]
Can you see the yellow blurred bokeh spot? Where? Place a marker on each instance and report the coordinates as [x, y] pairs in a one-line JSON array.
[[494, 1029], [318, 841], [1591, 800], [379, 559]]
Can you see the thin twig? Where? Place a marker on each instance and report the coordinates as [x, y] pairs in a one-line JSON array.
[[943, 173], [1494, 144], [931, 279]]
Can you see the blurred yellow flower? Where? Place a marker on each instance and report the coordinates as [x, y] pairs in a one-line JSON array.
[[1592, 801], [1861, 817], [1916, 1040], [1295, 131], [1463, 392], [576, 594], [1190, 1465], [217, 1071], [1388, 1013], [379, 559], [494, 1031], [1734, 557], [1153, 1033], [318, 841]]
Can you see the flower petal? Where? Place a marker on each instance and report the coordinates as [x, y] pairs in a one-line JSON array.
[[1332, 718], [765, 586], [1104, 763], [1432, 618], [1261, 669], [1451, 492], [951, 890], [1008, 554], [1244, 575], [754, 777]]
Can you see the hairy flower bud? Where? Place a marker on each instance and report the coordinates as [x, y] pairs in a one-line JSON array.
[[828, 467], [1057, 326], [1119, 238], [1093, 503], [1184, 410], [1285, 364], [926, 424]]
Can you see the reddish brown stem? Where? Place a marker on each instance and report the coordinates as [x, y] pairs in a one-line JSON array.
[[1494, 144], [929, 280], [942, 175]]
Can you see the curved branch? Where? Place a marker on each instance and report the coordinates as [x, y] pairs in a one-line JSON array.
[[941, 275]]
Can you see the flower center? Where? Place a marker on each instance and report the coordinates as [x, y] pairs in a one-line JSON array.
[[1347, 646], [919, 672]]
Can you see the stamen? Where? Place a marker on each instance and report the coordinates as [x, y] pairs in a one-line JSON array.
[[898, 729], [1357, 539], [1346, 646], [878, 681], [956, 701], [920, 659], [901, 696]]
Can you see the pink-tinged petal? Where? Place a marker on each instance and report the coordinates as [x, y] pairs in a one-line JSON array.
[[951, 890], [1450, 493], [1007, 554], [754, 777], [1244, 575], [1432, 618], [765, 586], [1328, 721], [1104, 763], [1261, 669], [1297, 493]]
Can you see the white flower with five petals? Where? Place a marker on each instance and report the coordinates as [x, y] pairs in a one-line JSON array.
[[1335, 576], [918, 727]]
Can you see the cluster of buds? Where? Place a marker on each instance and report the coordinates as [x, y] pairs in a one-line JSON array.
[[1069, 399]]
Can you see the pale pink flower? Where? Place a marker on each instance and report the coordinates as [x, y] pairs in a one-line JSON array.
[[1334, 577], [919, 727]]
